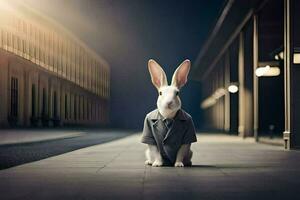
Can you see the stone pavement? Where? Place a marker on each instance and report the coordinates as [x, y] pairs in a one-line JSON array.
[[17, 136], [225, 167]]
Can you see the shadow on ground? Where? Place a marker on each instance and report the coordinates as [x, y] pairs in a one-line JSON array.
[[16, 154]]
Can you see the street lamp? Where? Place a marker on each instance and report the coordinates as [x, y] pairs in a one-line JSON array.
[[296, 59], [267, 71], [279, 56], [262, 70], [233, 88], [296, 56]]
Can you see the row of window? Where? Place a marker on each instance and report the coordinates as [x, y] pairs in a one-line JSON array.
[[70, 107], [14, 97], [55, 52], [79, 107], [67, 107]]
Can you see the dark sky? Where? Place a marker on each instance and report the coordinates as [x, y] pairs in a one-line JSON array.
[[129, 32]]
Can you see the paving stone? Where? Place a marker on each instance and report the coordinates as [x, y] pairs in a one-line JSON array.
[[224, 167]]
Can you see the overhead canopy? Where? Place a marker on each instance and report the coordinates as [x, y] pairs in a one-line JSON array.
[[232, 19]]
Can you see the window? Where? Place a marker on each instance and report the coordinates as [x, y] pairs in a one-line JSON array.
[[75, 107], [70, 107], [44, 49], [77, 65], [33, 101], [66, 106], [47, 46], [14, 98], [9, 41], [73, 64], [79, 107], [40, 45], [4, 39], [88, 110], [44, 105], [14, 43], [54, 55], [55, 104], [64, 57], [88, 73], [37, 45], [96, 79], [68, 60], [84, 108], [31, 46]]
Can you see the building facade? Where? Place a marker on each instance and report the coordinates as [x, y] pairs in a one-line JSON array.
[[254, 48], [48, 76]]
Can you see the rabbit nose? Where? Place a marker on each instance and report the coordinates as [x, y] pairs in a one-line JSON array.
[[169, 104]]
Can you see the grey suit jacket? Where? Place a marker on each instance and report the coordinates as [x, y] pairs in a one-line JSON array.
[[168, 140]]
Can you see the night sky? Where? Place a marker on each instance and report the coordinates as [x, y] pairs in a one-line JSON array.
[[127, 34]]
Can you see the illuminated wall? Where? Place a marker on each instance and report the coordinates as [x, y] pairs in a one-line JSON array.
[[76, 77]]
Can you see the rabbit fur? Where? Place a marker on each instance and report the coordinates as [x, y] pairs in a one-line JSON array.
[[168, 103]]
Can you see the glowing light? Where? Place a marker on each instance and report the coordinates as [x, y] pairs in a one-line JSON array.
[[267, 71], [208, 103], [281, 55], [233, 88], [219, 93], [211, 100], [296, 58], [273, 71], [262, 70]]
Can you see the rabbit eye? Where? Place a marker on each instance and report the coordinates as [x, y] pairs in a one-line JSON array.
[[160, 93], [177, 93]]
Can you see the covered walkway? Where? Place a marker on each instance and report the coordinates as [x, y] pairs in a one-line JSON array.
[[225, 167]]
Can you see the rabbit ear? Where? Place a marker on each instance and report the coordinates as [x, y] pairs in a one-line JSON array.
[[179, 78], [158, 76]]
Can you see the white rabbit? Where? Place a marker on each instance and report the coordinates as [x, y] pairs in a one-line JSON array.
[[175, 142]]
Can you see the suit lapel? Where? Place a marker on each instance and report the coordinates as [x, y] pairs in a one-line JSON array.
[[176, 127], [159, 128]]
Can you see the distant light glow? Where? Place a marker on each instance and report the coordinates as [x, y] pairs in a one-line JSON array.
[[262, 70], [296, 58], [233, 88], [219, 93], [267, 71], [273, 71], [208, 103], [279, 56], [211, 100]]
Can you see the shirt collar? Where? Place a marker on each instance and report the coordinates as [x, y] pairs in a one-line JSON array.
[[179, 115]]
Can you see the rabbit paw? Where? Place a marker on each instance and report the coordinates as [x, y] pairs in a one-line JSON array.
[[148, 162], [179, 164], [157, 163]]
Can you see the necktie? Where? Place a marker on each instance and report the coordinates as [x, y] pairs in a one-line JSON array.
[[168, 123]]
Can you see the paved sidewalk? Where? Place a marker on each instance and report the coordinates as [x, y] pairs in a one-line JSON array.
[[16, 154], [225, 167], [11, 136]]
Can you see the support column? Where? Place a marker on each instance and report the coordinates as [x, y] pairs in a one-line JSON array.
[[287, 66], [50, 102], [241, 66], [255, 78], [291, 134], [227, 95]]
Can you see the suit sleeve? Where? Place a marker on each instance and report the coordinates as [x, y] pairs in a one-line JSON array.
[[190, 134], [147, 136]]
